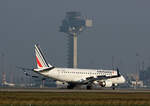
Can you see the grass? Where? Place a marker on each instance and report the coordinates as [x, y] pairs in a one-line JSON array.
[[74, 98]]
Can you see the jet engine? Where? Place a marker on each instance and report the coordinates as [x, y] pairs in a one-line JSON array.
[[105, 83]]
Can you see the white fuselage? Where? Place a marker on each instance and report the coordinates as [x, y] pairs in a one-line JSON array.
[[105, 78], [79, 75]]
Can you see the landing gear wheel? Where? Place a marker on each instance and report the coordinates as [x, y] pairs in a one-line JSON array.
[[70, 86], [113, 88], [88, 87]]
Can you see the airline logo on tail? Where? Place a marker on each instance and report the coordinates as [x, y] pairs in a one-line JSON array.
[[41, 61], [38, 62]]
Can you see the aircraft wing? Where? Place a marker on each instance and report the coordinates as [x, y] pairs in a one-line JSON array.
[[90, 80]]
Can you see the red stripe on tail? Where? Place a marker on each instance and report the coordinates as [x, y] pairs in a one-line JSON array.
[[38, 62]]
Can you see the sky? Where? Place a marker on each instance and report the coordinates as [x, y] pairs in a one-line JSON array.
[[121, 29]]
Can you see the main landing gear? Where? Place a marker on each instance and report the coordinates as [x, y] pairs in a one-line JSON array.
[[88, 87], [113, 87], [70, 86]]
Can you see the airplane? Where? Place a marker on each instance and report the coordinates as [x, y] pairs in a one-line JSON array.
[[5, 83], [75, 76]]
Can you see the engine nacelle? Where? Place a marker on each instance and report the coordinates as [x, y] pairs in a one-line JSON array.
[[106, 83]]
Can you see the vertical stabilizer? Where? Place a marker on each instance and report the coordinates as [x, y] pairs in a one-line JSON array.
[[41, 61]]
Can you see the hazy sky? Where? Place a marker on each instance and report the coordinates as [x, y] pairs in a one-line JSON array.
[[121, 28]]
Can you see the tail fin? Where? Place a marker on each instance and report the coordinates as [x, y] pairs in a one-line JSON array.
[[41, 61], [118, 73]]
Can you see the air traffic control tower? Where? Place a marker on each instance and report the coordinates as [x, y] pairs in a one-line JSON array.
[[73, 25]]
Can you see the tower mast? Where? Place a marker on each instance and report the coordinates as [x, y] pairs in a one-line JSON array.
[[73, 25]]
